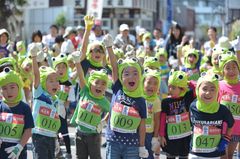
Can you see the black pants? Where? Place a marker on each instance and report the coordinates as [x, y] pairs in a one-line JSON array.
[[64, 131], [88, 145]]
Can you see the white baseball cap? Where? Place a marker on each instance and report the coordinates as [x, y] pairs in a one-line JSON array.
[[123, 27]]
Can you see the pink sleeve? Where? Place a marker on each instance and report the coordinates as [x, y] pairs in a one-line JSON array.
[[221, 87], [162, 124]]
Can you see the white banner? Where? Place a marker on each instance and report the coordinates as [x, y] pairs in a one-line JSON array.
[[95, 7]]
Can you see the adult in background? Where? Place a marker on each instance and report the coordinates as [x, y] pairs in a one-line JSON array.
[[5, 47], [67, 46], [208, 45], [49, 39], [157, 34], [175, 39], [124, 38], [97, 34]]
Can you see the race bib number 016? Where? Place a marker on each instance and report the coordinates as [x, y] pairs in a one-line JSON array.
[[48, 120]]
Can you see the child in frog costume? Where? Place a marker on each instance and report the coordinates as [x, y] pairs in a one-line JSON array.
[[207, 118], [65, 96], [229, 94], [12, 64], [16, 118], [92, 55], [25, 70], [45, 106], [153, 63], [126, 128], [191, 58], [92, 106], [161, 54], [151, 84], [175, 129]]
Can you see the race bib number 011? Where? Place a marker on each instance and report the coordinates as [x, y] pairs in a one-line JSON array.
[[89, 115]]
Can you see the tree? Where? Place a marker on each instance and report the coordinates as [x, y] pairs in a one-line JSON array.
[[11, 14], [235, 30], [60, 19]]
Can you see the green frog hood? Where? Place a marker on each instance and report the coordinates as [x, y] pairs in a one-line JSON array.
[[212, 107], [226, 58], [61, 58], [130, 62], [9, 76]]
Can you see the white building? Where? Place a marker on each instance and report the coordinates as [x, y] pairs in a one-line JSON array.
[[39, 15]]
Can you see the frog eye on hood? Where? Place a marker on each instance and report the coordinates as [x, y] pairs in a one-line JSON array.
[[217, 76], [104, 71], [135, 60], [203, 74], [6, 69], [120, 61], [180, 77]]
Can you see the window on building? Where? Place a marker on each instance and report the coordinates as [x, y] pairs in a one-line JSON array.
[[54, 3], [120, 2], [77, 3], [109, 2]]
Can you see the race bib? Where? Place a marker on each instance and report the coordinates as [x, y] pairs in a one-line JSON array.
[[232, 102], [124, 119], [178, 126], [47, 120], [206, 139], [11, 127], [89, 115]]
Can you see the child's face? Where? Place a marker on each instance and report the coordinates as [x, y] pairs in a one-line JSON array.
[[150, 85], [230, 70], [162, 59], [98, 87], [3, 38], [52, 84], [215, 60], [97, 54], [10, 91], [28, 67], [174, 91], [130, 78], [61, 69], [192, 59], [207, 92]]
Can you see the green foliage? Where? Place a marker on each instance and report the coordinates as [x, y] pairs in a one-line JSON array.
[[235, 30], [60, 19]]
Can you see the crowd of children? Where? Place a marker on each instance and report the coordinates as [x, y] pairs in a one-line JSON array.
[[190, 112]]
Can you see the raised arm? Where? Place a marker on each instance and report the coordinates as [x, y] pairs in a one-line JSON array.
[[33, 52], [89, 21], [108, 42], [77, 59]]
